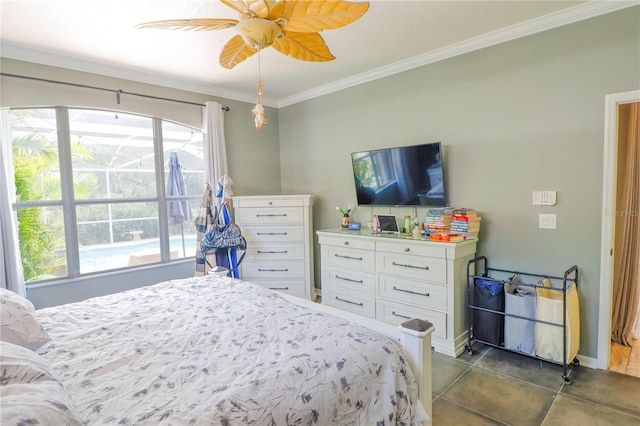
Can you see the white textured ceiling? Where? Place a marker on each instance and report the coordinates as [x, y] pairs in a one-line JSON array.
[[99, 36]]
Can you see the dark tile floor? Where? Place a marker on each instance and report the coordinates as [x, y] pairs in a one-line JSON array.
[[496, 387]]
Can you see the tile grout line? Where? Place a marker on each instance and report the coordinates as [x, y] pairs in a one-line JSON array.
[[469, 366], [518, 378], [554, 391], [477, 412], [602, 405], [553, 402]]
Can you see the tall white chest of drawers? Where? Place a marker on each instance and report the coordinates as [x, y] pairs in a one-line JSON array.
[[278, 230], [393, 278]]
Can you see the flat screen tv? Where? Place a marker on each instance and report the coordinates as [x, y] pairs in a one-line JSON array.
[[402, 176]]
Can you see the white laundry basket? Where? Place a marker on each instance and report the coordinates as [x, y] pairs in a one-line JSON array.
[[549, 338], [520, 334]]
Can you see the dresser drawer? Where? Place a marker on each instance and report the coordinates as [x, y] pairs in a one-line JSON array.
[[345, 241], [416, 248], [428, 295], [270, 216], [350, 279], [292, 287], [397, 313], [273, 269], [270, 251], [358, 303], [273, 233], [267, 202], [418, 267], [362, 260]]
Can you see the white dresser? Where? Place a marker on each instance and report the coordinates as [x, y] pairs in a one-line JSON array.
[[394, 278], [278, 230]]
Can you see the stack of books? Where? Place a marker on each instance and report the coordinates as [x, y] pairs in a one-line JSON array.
[[438, 220], [465, 222]]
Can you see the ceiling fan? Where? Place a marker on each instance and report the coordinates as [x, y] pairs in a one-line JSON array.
[[290, 26]]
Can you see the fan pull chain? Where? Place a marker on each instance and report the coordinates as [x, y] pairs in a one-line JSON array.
[[258, 110]]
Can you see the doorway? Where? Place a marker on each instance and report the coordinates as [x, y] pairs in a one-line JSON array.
[[605, 354]]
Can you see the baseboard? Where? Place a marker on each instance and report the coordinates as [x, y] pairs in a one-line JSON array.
[[587, 361]]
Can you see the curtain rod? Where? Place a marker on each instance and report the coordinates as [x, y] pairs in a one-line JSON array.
[[117, 92]]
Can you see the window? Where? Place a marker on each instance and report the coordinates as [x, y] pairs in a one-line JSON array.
[[92, 190]]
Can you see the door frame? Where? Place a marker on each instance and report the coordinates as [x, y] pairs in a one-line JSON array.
[[608, 220]]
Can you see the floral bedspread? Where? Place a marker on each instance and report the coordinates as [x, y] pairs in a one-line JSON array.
[[219, 351]]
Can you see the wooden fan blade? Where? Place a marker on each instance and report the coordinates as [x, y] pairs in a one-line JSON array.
[[234, 52], [190, 24], [303, 46], [259, 8], [237, 5], [314, 16]]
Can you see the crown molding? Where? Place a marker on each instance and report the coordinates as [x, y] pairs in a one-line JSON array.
[[12, 51], [564, 17], [537, 25]]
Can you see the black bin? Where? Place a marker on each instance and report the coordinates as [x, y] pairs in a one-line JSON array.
[[487, 326]]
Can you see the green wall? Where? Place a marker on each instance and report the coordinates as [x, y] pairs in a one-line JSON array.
[[513, 118]]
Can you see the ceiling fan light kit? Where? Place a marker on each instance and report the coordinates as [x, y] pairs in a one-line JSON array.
[[290, 26], [258, 33]]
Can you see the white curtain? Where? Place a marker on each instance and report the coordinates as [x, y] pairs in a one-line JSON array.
[[215, 167], [11, 268], [215, 149]]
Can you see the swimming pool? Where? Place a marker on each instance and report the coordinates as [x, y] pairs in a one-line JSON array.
[[117, 255]]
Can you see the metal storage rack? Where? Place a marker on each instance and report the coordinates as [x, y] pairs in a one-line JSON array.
[[570, 277]]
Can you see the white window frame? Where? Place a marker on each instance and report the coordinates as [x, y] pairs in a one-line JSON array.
[[69, 203]]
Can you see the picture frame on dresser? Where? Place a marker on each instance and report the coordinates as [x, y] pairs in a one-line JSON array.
[[388, 223]]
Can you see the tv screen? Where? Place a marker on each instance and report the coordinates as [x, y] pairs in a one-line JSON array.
[[402, 176]]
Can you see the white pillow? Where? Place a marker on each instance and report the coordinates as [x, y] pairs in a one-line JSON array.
[[31, 392], [18, 322]]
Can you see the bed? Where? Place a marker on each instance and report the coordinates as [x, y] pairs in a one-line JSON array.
[[209, 350]]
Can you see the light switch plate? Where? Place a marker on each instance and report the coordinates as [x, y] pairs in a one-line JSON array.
[[547, 221], [544, 198]]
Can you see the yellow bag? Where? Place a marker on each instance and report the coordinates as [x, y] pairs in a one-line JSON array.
[[549, 307]]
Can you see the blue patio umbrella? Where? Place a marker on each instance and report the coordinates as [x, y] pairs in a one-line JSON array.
[[179, 210]]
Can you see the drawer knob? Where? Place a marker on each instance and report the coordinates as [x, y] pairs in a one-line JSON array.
[[346, 243], [407, 249]]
